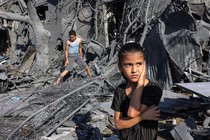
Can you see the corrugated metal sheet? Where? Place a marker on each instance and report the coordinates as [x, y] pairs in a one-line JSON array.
[[176, 46]]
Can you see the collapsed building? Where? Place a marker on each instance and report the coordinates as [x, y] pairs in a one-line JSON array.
[[112, 29], [175, 35]]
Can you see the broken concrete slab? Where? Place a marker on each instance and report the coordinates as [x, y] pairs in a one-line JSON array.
[[181, 131], [63, 136]]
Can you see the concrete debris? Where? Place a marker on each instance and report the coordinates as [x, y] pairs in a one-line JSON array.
[[182, 131], [63, 136]]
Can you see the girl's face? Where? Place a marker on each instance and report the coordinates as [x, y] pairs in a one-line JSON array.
[[132, 65]]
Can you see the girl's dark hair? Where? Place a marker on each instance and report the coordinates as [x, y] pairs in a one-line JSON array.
[[130, 47]]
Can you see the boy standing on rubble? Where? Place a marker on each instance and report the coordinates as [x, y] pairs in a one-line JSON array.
[[73, 53]]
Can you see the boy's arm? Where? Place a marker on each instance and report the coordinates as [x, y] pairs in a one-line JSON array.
[[80, 49], [152, 113], [67, 53]]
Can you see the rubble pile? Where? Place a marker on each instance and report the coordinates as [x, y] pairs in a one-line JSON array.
[[176, 38]]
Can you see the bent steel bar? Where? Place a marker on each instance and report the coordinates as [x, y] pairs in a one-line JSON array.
[[95, 81], [70, 115]]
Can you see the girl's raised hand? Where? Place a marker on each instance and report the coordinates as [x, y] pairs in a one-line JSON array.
[[142, 77]]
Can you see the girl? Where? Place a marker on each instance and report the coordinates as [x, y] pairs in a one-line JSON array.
[[136, 101]]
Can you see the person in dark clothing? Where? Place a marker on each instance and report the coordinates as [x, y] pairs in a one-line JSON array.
[[136, 101]]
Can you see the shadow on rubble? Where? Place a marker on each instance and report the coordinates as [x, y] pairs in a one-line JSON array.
[[87, 131]]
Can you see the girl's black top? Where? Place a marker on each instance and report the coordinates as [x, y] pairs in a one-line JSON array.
[[144, 130]]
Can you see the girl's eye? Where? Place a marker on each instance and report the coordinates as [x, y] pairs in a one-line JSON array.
[[139, 64], [127, 65]]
